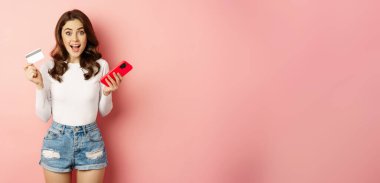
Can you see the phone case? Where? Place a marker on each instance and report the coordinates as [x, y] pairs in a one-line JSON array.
[[123, 68]]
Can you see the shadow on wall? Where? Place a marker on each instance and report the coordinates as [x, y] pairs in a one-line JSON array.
[[120, 112]]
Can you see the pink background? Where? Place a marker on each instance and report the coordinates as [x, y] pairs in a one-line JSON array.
[[264, 91]]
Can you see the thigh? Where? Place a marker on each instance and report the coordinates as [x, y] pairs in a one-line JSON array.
[[90, 176], [91, 154], [53, 177], [57, 151]]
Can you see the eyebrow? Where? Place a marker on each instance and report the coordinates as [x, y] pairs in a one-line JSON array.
[[71, 29]]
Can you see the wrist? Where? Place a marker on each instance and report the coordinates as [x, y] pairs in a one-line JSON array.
[[40, 86], [106, 93]]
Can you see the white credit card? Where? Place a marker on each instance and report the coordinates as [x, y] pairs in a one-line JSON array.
[[34, 56]]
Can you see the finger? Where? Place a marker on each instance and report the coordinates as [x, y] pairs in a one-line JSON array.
[[29, 71], [112, 81], [27, 66], [117, 78], [33, 72], [120, 77], [30, 67], [30, 75], [108, 82]]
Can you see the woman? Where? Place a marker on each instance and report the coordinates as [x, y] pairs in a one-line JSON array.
[[68, 87]]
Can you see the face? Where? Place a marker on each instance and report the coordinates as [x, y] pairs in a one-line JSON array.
[[74, 38]]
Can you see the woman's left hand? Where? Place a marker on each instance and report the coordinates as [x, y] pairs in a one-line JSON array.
[[112, 84]]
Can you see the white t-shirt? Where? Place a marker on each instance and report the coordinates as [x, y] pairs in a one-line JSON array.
[[75, 101]]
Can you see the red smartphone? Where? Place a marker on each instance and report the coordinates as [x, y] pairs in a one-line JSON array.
[[123, 68]]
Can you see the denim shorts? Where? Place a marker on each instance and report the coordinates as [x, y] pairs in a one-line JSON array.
[[67, 147]]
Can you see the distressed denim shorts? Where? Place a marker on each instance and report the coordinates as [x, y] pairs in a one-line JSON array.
[[67, 147]]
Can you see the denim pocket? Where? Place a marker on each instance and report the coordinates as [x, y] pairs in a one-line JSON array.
[[95, 135], [52, 134]]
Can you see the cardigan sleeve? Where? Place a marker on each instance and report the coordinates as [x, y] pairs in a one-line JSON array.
[[105, 102], [43, 96]]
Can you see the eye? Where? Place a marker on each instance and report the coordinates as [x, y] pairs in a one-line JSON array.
[[68, 33], [82, 33]]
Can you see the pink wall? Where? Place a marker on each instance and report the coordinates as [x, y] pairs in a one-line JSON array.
[[221, 91]]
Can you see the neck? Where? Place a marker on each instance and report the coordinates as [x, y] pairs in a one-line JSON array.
[[73, 60]]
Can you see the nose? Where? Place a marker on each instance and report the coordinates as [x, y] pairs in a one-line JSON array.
[[75, 37]]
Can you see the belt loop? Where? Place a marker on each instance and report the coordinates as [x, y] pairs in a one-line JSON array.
[[84, 130], [63, 129]]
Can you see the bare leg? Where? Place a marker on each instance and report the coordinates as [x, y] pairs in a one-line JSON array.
[[90, 176], [53, 177]]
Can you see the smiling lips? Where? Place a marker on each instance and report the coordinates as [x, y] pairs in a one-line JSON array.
[[75, 47]]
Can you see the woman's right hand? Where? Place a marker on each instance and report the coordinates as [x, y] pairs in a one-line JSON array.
[[34, 75]]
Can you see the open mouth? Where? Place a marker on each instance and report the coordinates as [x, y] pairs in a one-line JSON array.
[[75, 47]]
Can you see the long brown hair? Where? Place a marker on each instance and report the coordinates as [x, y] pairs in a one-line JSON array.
[[89, 55]]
